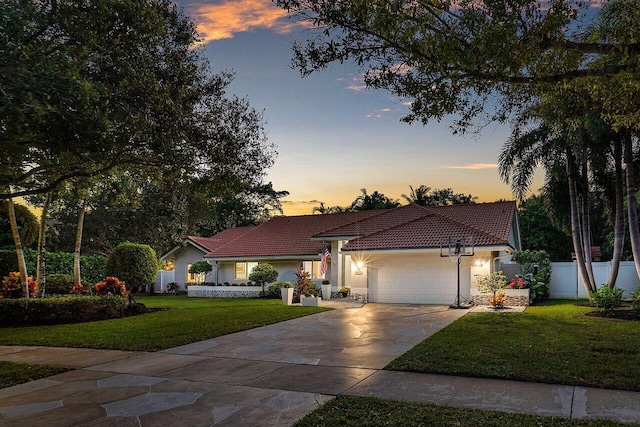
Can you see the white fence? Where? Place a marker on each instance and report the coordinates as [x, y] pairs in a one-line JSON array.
[[163, 279], [566, 283]]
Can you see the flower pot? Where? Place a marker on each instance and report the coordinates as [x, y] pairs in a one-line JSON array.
[[310, 301], [326, 291], [287, 296]]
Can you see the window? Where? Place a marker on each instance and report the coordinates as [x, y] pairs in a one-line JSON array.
[[243, 269], [194, 277], [314, 268]]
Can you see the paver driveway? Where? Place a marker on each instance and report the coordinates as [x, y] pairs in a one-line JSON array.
[[271, 375]]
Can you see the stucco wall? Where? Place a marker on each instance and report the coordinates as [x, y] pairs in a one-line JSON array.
[[286, 269], [184, 256]]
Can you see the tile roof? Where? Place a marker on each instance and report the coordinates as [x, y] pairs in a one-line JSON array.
[[210, 243], [405, 227], [490, 223], [286, 236]]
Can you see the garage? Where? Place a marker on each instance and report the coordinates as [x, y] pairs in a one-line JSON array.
[[416, 279]]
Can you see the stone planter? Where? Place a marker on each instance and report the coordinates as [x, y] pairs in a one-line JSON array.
[[513, 297], [326, 291], [287, 296], [310, 301]]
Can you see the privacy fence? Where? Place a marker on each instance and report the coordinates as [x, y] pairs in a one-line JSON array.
[[566, 282]]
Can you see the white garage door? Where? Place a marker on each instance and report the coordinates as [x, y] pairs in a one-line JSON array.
[[416, 280]]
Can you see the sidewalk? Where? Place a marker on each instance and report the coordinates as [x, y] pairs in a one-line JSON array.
[[276, 374]]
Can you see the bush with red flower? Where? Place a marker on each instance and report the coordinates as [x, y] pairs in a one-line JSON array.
[[12, 288], [111, 286], [519, 282]]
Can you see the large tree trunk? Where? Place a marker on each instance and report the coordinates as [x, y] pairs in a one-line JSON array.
[[76, 253], [586, 219], [576, 233], [618, 234], [22, 265], [40, 265], [632, 204]]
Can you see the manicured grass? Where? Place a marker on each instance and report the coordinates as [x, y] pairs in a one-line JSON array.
[[186, 320], [17, 373], [368, 411], [554, 342]]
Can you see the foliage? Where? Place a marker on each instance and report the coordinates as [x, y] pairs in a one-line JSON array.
[[274, 290], [538, 290], [303, 281], [310, 290], [12, 288], [424, 196], [111, 286], [356, 411], [553, 342], [133, 263], [534, 260], [201, 267], [58, 284], [477, 62], [497, 300], [262, 274], [80, 290], [179, 321], [539, 232], [372, 201], [173, 287], [607, 298], [92, 266], [64, 309], [28, 226], [635, 299], [344, 292], [491, 282]]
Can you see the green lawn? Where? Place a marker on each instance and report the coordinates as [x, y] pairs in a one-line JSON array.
[[554, 342], [17, 373], [367, 411], [186, 320]]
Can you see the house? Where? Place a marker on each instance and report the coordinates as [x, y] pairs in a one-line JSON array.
[[398, 255], [193, 249]]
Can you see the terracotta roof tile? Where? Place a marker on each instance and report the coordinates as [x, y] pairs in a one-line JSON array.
[[405, 227], [210, 243], [286, 236]]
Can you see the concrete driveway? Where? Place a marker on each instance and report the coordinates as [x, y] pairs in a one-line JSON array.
[[268, 376]]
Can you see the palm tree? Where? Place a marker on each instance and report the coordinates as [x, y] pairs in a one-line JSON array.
[[418, 196], [375, 200]]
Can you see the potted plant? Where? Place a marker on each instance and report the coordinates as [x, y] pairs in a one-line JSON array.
[[344, 292], [306, 289], [326, 289], [311, 298], [287, 293]]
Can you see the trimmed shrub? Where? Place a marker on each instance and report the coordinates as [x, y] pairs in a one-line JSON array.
[[111, 286], [608, 299], [262, 274], [635, 299], [274, 289], [133, 263], [65, 309], [58, 284]]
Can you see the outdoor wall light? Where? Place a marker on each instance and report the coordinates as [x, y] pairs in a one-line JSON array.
[[359, 265]]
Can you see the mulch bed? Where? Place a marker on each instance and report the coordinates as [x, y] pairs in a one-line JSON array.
[[622, 314]]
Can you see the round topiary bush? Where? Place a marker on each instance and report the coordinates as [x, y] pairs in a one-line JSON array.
[[133, 263]]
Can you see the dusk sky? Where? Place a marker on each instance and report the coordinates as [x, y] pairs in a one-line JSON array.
[[333, 136]]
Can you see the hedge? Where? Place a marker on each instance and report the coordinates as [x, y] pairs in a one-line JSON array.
[[133, 263], [65, 309], [92, 267]]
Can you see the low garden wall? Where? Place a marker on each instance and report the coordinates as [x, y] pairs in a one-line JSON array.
[[224, 291], [513, 297]]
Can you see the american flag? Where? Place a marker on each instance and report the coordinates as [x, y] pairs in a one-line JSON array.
[[325, 254]]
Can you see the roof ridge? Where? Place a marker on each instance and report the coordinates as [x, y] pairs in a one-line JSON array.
[[449, 218]]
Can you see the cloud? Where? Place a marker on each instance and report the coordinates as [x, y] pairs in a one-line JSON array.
[[473, 166], [306, 202], [228, 17]]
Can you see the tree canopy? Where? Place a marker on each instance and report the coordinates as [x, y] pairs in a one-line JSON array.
[[472, 58]]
